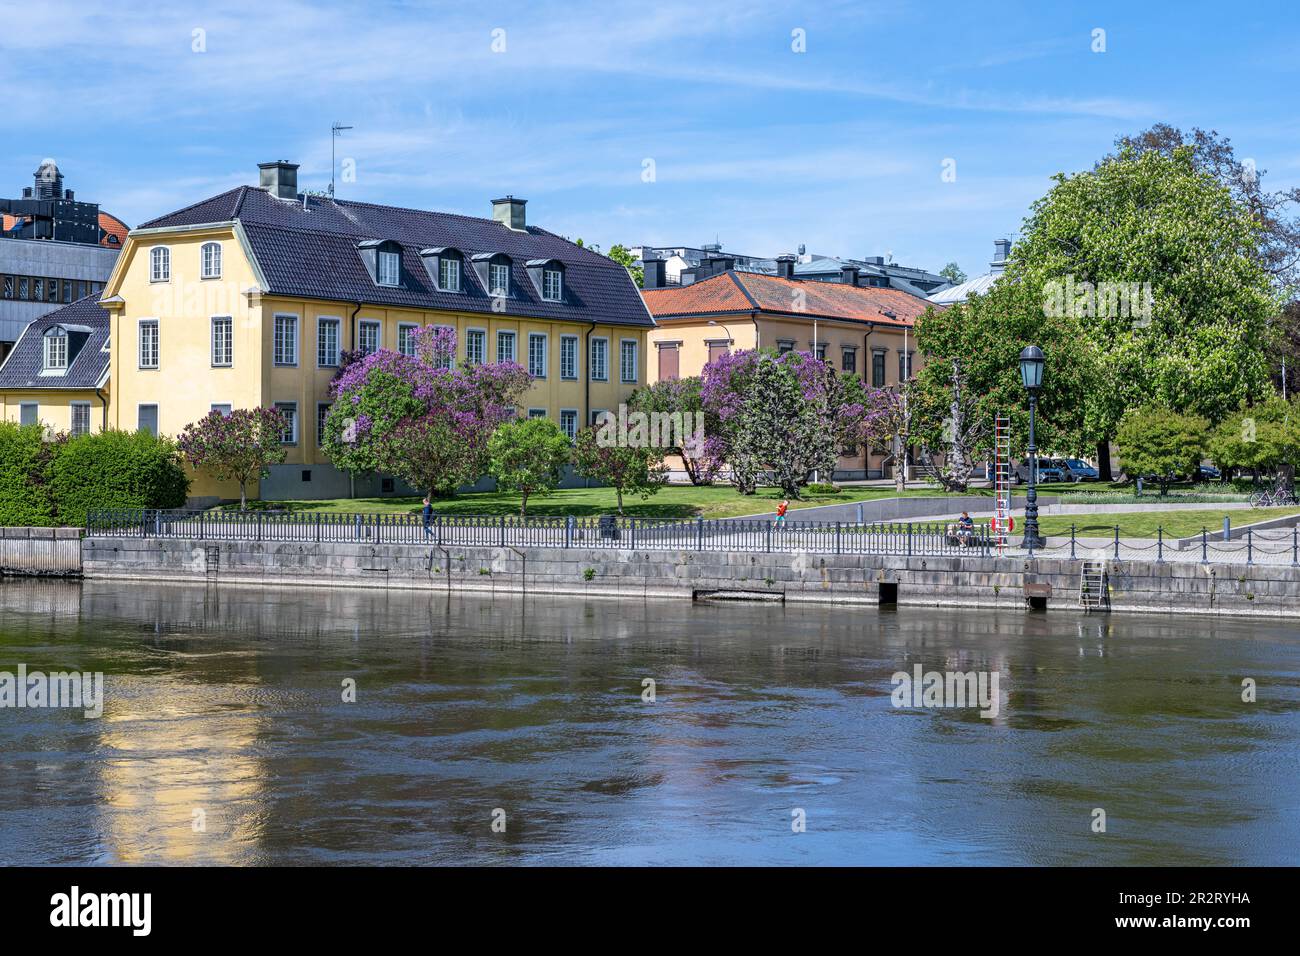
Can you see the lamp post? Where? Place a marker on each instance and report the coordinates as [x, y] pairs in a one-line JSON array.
[[1031, 376]]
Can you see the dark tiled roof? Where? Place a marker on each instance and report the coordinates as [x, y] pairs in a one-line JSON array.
[[22, 367], [751, 291], [311, 251]]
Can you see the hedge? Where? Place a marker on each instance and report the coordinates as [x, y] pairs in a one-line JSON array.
[[56, 481]]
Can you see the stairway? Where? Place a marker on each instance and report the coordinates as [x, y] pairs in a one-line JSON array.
[[1094, 591]]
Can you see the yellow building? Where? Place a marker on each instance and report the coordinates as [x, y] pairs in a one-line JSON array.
[[57, 372], [251, 297], [862, 330]]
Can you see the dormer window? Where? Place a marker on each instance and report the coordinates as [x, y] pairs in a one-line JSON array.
[[552, 285], [389, 266], [449, 273], [56, 349], [210, 257], [499, 278], [160, 264]]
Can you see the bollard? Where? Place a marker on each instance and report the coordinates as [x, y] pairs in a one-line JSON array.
[[1205, 546], [699, 533], [1160, 543], [1071, 542], [859, 512], [1227, 527], [1116, 542], [1295, 546], [1250, 545]]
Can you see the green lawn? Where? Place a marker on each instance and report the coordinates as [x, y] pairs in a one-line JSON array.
[[672, 501], [1143, 524]]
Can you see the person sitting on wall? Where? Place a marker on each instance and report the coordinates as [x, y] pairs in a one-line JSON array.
[[966, 529]]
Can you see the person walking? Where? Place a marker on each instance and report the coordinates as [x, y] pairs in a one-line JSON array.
[[780, 513], [427, 515]]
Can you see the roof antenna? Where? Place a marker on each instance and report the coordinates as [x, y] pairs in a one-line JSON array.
[[335, 129]]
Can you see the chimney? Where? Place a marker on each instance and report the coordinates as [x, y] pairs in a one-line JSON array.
[[510, 213], [280, 179], [715, 265], [1001, 247], [27, 192], [69, 195], [849, 275], [656, 276], [785, 266]]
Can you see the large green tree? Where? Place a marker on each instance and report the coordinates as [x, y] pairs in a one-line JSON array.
[[1161, 443]]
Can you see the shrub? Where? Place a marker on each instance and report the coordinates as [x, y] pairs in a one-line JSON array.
[[25, 457], [823, 488], [526, 456], [116, 469]]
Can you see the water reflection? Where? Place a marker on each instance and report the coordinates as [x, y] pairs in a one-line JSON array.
[[229, 701]]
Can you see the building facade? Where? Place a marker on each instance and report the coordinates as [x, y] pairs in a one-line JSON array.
[[250, 299], [866, 331], [57, 373], [54, 250]]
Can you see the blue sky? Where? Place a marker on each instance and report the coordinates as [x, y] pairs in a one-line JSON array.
[[840, 147]]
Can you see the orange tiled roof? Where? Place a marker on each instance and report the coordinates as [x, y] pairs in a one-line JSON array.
[[112, 226], [751, 291]]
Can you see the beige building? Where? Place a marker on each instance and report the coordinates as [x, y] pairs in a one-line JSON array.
[[861, 330]]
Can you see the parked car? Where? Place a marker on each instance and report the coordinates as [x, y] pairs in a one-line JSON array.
[[1049, 469], [1206, 473], [1076, 469]]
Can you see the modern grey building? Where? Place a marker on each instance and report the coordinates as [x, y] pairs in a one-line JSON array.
[[980, 284], [54, 250]]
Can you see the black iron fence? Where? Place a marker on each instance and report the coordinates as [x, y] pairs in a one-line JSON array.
[[695, 534]]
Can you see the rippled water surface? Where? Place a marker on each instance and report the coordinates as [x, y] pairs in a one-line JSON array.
[[225, 705]]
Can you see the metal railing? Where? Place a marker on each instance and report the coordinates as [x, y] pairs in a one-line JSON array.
[[692, 534]]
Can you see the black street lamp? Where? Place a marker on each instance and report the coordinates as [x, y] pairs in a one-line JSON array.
[[1031, 376]]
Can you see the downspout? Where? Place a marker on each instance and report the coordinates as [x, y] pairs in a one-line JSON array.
[[103, 404], [757, 343]]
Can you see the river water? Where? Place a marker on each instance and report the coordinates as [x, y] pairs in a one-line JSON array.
[[510, 731]]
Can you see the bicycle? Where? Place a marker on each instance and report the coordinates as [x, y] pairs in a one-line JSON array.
[[1278, 497]]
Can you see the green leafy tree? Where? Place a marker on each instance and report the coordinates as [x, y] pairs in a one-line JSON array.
[[1263, 438], [241, 446], [26, 454], [526, 457], [1156, 441], [620, 254], [953, 273], [628, 469]]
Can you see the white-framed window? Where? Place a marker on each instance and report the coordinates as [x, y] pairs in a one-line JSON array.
[[499, 278], [537, 354], [569, 422], [225, 408], [627, 360], [536, 413], [505, 346], [449, 274], [160, 264], [147, 419], [148, 343], [210, 259], [223, 341], [405, 337], [56, 348], [289, 411], [600, 360], [568, 356], [286, 339], [29, 413], [368, 336], [448, 360], [80, 418], [552, 285], [322, 412], [327, 341], [389, 266], [475, 346]]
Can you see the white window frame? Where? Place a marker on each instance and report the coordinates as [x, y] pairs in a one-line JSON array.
[[448, 269], [558, 275], [546, 348], [294, 425], [576, 424], [217, 406], [388, 268], [205, 272], [402, 327], [636, 361], [375, 324], [230, 342], [72, 418], [469, 337], [160, 264], [157, 344], [48, 362], [603, 365], [322, 321], [514, 345], [495, 288], [575, 342], [320, 431], [275, 345]]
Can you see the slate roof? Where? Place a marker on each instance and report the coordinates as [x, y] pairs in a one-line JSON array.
[[751, 291], [310, 251], [22, 367]]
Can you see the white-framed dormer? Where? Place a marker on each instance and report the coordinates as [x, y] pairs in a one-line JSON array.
[[210, 260], [54, 351], [446, 268], [383, 260], [160, 264], [495, 271], [548, 278]]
